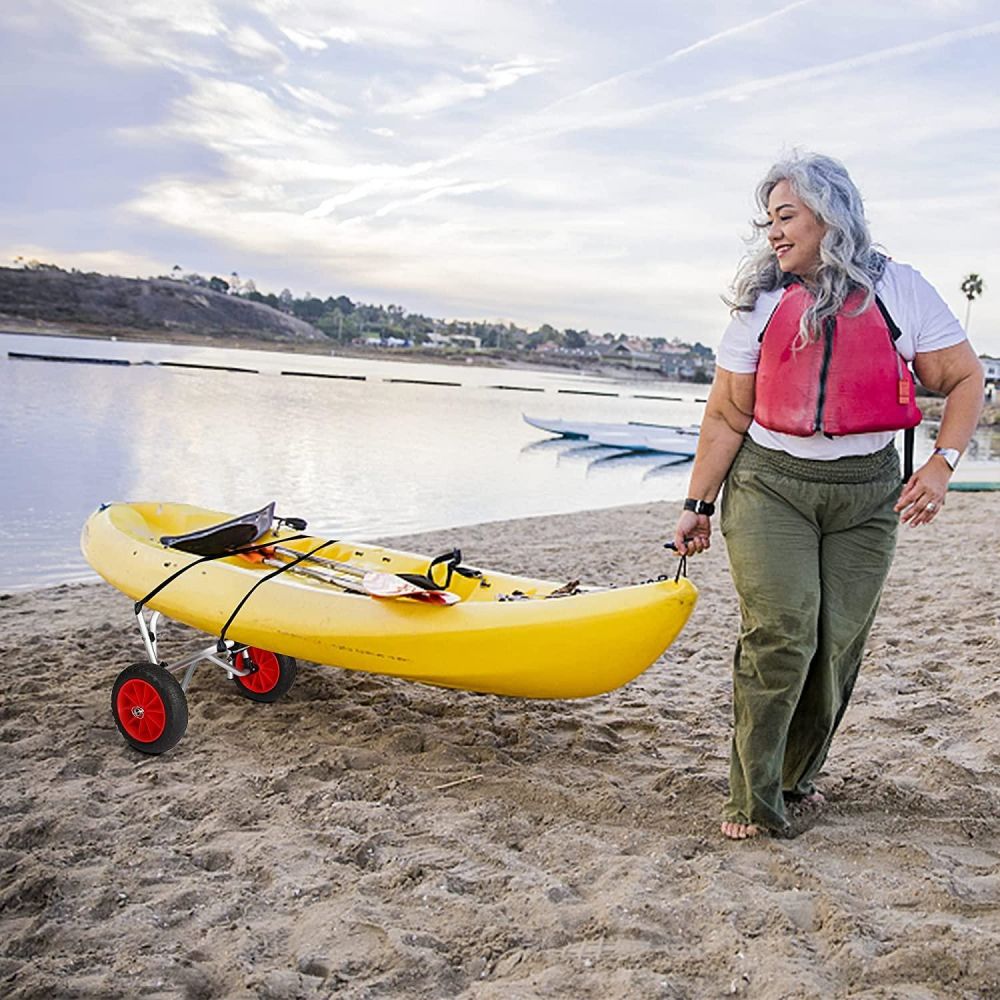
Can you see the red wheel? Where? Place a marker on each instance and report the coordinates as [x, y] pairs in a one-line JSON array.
[[149, 707], [270, 674]]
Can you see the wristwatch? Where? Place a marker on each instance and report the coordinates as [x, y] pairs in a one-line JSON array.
[[950, 455], [700, 506]]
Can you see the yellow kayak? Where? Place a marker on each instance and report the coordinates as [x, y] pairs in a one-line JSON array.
[[503, 635]]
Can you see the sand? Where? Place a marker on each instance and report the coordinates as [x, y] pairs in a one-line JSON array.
[[366, 837]]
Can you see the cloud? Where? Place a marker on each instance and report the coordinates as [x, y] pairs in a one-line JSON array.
[[633, 116], [314, 99], [445, 190], [303, 40], [234, 118], [178, 34], [253, 46], [677, 54], [447, 89], [492, 28]]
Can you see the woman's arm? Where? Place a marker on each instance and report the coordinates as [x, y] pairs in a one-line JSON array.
[[728, 413], [957, 373]]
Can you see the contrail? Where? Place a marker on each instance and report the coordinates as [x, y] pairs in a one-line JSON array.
[[633, 115], [678, 54]]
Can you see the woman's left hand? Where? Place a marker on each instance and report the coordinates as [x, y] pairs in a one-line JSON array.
[[924, 494]]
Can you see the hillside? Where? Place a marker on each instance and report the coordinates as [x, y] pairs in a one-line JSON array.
[[52, 295]]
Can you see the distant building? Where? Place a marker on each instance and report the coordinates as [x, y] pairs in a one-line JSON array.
[[465, 341]]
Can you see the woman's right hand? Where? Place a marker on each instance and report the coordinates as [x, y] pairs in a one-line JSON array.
[[693, 533]]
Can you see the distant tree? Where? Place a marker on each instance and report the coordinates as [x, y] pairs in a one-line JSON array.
[[176, 272], [286, 300], [972, 287], [248, 288], [218, 284], [545, 334], [309, 308], [574, 339]]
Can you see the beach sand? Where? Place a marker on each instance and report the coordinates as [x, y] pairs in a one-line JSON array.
[[366, 837]]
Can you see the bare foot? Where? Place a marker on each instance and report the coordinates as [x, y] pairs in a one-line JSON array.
[[740, 831]]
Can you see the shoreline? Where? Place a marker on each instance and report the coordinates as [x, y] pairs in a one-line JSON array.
[[373, 837], [326, 349]]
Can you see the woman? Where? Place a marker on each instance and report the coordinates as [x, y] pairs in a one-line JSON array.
[[810, 389]]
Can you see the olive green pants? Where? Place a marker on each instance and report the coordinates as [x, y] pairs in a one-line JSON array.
[[810, 544]]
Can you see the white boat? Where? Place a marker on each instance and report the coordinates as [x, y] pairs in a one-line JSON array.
[[670, 442], [633, 436]]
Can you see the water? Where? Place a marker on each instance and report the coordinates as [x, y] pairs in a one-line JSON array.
[[357, 459]]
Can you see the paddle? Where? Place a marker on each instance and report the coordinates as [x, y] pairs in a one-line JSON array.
[[352, 578]]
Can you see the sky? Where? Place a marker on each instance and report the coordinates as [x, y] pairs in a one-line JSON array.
[[589, 165]]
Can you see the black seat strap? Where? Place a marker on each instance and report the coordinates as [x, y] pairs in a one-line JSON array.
[[203, 559]]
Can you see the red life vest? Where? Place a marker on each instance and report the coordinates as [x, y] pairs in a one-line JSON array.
[[851, 380]]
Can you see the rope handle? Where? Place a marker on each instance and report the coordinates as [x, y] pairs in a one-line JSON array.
[[681, 566]]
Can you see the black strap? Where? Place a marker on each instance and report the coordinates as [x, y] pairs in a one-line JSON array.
[[894, 331], [908, 436], [203, 559], [682, 567], [451, 561], [221, 644]]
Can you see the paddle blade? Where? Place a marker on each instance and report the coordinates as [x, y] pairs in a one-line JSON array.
[[389, 585]]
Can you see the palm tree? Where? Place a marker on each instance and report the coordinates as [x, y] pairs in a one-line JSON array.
[[972, 286]]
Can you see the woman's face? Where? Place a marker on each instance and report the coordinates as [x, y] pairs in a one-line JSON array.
[[794, 232]]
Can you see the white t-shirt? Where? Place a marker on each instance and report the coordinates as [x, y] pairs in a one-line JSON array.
[[926, 324]]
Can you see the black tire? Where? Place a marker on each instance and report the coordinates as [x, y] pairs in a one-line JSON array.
[[150, 708], [272, 674]]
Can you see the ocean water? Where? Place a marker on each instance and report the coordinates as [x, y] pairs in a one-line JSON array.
[[383, 448]]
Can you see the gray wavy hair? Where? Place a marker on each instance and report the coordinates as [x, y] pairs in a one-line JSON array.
[[848, 260]]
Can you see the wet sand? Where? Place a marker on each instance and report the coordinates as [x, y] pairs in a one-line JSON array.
[[365, 837]]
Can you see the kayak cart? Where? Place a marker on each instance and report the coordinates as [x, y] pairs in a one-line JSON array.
[[149, 703]]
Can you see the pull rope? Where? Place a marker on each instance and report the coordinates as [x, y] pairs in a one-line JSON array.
[[682, 563]]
